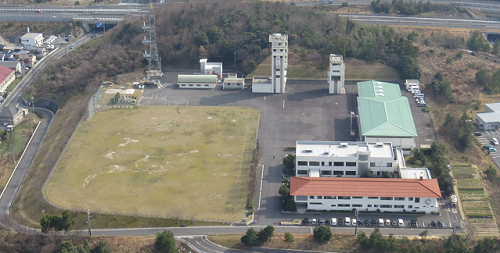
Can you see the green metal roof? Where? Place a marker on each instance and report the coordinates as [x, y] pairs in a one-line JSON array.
[[196, 79], [386, 116], [378, 89]]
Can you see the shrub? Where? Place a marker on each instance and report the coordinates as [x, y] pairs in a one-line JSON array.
[[322, 234]]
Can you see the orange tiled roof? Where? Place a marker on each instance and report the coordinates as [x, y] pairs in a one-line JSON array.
[[364, 187], [4, 73]]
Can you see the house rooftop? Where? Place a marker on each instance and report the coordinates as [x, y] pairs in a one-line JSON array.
[[31, 35], [196, 79], [364, 187], [342, 149], [4, 73]]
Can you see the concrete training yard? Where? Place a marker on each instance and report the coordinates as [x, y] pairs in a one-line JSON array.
[[169, 161]]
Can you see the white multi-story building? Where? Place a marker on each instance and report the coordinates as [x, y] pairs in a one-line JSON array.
[[366, 194], [336, 75], [31, 40], [490, 118], [348, 159], [211, 68], [279, 64]]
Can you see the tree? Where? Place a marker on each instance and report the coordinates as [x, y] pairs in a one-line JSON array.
[[165, 242], [289, 164], [368, 173], [322, 233], [287, 201], [250, 237], [55, 222], [67, 247], [363, 240], [289, 238], [77, 3], [410, 68], [101, 247], [491, 173], [266, 233], [487, 245], [477, 42]]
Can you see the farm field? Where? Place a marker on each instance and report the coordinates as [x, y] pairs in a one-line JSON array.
[[159, 161]]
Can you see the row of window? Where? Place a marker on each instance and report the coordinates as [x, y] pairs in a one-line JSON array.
[[338, 164], [191, 85], [360, 205], [329, 172], [417, 200]]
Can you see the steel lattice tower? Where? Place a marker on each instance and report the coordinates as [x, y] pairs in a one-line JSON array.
[[153, 58]]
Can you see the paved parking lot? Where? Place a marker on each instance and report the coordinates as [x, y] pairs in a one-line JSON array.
[[485, 140], [305, 112]]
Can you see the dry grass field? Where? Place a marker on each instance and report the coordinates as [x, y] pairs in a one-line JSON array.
[[168, 161]]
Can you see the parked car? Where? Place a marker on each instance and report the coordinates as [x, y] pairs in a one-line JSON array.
[[433, 224], [314, 221], [494, 141], [394, 223], [381, 222], [347, 221], [38, 11], [305, 221], [401, 223], [353, 222], [440, 223], [340, 223], [492, 149], [414, 224], [333, 222], [373, 223], [367, 223], [321, 221], [477, 134], [388, 222]]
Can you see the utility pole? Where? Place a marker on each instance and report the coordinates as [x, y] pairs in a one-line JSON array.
[[234, 60], [356, 213], [89, 221]]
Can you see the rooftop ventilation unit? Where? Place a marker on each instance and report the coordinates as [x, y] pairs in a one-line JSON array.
[[379, 83], [308, 151], [325, 153], [343, 144], [379, 144]]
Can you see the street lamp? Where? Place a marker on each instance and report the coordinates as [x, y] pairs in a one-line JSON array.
[[356, 213]]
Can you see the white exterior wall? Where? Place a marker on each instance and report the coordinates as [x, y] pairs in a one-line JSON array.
[[233, 83], [279, 64], [369, 204], [336, 75], [7, 82], [31, 40], [197, 85], [486, 126], [328, 164], [404, 143], [412, 82], [262, 88], [211, 68]]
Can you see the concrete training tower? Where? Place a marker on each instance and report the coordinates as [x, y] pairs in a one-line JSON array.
[[279, 61], [336, 75]]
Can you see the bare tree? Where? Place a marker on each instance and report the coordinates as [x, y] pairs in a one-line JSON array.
[[176, 214]]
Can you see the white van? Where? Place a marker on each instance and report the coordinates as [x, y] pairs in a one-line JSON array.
[[333, 222], [353, 222], [314, 221], [401, 223], [380, 222], [347, 221]]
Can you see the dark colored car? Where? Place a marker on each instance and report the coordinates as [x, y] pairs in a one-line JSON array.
[[413, 224], [305, 221], [321, 221], [433, 224], [38, 11], [341, 223], [373, 223], [367, 223], [440, 223], [477, 134]]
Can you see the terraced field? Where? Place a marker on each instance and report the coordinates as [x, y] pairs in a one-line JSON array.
[[474, 201]]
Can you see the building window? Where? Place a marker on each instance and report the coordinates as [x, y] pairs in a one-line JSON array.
[[315, 203], [357, 205], [333, 205], [375, 205], [399, 199], [389, 164], [385, 198], [301, 198], [369, 206], [330, 197], [329, 163], [326, 173], [350, 164], [372, 165], [302, 163], [338, 172], [313, 163], [183, 85], [277, 76], [356, 197], [338, 163], [372, 197], [190, 85], [417, 207], [399, 206], [344, 205], [320, 197], [417, 200], [410, 206], [303, 172], [350, 173], [385, 206], [410, 199], [344, 197], [199, 85], [311, 197], [363, 157], [322, 163], [206, 85]]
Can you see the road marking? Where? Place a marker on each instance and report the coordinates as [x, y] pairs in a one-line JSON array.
[[283, 104], [260, 193]]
